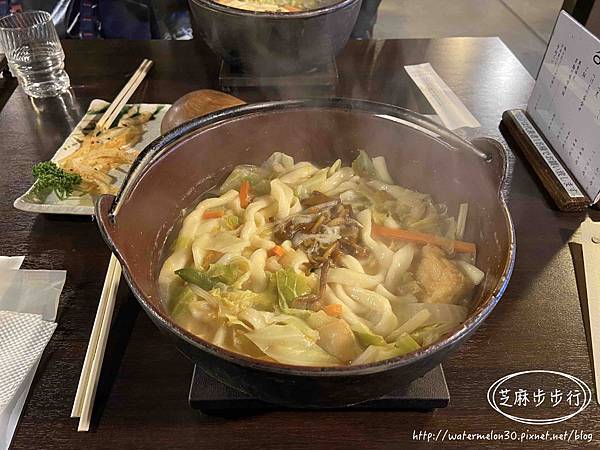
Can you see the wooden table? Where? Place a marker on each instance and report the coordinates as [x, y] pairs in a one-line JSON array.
[[142, 399]]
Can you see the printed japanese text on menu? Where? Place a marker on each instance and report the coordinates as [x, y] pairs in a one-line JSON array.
[[565, 103]]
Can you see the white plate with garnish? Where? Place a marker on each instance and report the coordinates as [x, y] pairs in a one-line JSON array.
[[91, 163]]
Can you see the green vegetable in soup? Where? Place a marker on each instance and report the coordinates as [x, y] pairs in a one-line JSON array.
[[256, 176], [403, 345], [363, 165], [367, 338], [406, 344], [289, 286], [197, 277], [237, 300], [225, 273], [306, 188], [180, 308], [231, 222], [287, 344]]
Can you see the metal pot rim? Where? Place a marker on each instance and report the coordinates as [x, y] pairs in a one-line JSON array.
[[215, 6]]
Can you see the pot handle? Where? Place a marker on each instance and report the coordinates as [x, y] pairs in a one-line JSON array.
[[496, 161], [106, 224]]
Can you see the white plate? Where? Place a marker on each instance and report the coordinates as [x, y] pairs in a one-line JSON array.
[[84, 205]]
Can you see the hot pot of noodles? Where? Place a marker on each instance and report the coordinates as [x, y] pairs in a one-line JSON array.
[[267, 37], [314, 253]]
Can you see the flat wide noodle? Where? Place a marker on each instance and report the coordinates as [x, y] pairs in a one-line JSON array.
[[289, 264]]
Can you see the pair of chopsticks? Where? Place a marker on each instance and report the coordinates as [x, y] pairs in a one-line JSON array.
[[92, 365], [120, 100], [90, 373]]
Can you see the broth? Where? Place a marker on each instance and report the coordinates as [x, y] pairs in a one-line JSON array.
[[280, 6]]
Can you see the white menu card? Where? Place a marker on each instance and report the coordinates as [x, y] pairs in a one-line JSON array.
[[565, 103]]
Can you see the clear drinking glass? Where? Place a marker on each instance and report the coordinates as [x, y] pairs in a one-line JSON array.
[[34, 53]]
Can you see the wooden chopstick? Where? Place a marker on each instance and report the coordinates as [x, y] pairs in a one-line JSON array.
[[93, 344], [113, 279], [90, 373], [123, 96], [137, 80]]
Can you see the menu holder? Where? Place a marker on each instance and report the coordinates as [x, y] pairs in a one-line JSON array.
[[554, 176], [558, 131]]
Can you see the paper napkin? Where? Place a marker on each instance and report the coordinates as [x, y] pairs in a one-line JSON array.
[[31, 291], [28, 304], [23, 338], [11, 262]]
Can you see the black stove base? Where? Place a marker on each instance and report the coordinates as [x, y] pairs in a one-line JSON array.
[[424, 394], [235, 78]]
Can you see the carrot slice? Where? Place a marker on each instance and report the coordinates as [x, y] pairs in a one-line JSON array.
[[278, 251], [334, 310], [215, 214], [245, 193], [423, 238]]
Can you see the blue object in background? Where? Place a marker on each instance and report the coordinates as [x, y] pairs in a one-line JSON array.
[[93, 19], [8, 6], [127, 19], [88, 24]]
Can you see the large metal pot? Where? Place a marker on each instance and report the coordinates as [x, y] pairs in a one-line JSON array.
[[273, 43], [174, 170]]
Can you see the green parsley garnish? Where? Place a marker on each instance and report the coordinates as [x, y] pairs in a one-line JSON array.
[[50, 178]]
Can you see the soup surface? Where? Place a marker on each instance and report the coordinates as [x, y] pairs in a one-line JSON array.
[[283, 6], [314, 266]]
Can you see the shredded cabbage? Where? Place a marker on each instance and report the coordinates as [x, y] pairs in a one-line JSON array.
[[381, 169], [428, 335], [237, 300], [278, 163], [311, 185], [231, 221], [289, 286], [368, 338], [406, 344], [227, 273], [403, 345], [256, 176], [288, 345], [363, 166]]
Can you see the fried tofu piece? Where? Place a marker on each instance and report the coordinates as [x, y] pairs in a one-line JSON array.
[[440, 278]]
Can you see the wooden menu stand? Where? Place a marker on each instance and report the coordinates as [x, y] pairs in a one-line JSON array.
[[567, 194]]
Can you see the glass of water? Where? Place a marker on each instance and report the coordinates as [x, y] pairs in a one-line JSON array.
[[34, 53]]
